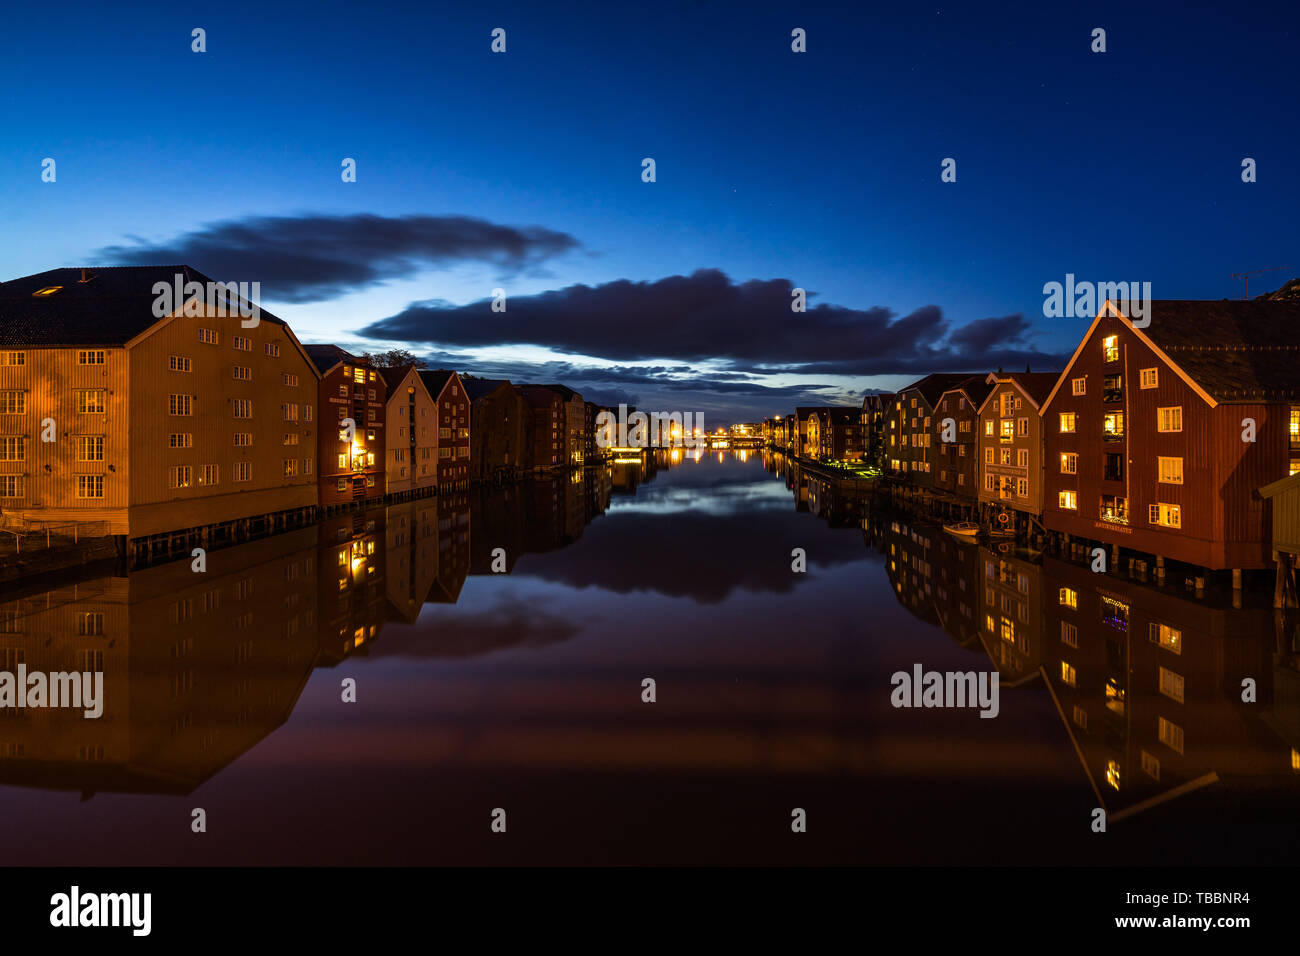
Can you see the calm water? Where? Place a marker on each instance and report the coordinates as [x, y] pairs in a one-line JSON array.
[[523, 691]]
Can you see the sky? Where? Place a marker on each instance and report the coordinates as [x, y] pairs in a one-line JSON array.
[[774, 170]]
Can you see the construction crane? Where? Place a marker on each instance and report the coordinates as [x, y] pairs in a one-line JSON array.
[[1245, 277]]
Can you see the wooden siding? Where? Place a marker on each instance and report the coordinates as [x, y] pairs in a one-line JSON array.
[[1031, 443], [410, 437]]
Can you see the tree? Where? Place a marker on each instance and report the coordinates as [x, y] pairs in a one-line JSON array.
[[394, 358]]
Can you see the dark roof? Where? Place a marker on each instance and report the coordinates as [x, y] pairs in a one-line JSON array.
[[325, 357], [477, 388], [877, 399], [393, 375], [976, 388], [1037, 385], [934, 385], [563, 391], [112, 307], [803, 411], [435, 379], [1236, 350]]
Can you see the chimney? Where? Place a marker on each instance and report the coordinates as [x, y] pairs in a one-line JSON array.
[[86, 275]]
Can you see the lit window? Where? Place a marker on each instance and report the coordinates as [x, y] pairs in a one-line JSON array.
[[1112, 426], [1068, 674], [1150, 378], [1078, 386], [1110, 348], [1167, 516], [1068, 500], [1170, 470], [1171, 419], [48, 290], [1170, 734], [1067, 422], [1068, 597]]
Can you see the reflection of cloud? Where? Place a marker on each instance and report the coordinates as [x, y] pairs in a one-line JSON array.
[[707, 317], [699, 555], [456, 632], [307, 258]]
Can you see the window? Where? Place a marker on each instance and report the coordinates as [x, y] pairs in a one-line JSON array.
[[90, 401], [1022, 458], [306, 466], [1081, 717], [209, 337], [13, 358], [179, 363], [1022, 427], [1067, 422], [180, 405], [13, 448], [1171, 639], [1170, 470], [1110, 348], [1069, 500], [210, 475], [290, 467], [90, 486], [13, 403], [1113, 470], [90, 357], [273, 350], [343, 461], [242, 373], [372, 394], [1069, 634], [290, 438], [1169, 419], [1112, 426], [243, 471], [1167, 516], [1022, 487], [1112, 388], [444, 452], [988, 455], [11, 486], [988, 427], [1078, 386], [1114, 508], [1068, 597], [990, 482], [243, 344], [182, 476], [1068, 674], [1149, 378], [358, 375], [1007, 429], [306, 413], [290, 380], [1170, 734], [1004, 456], [243, 408], [290, 412], [90, 448], [182, 440], [1150, 766]]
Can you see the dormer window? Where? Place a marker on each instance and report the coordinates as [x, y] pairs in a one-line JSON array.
[[48, 290]]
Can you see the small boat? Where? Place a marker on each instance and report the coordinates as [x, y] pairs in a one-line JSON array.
[[1001, 532], [962, 529]]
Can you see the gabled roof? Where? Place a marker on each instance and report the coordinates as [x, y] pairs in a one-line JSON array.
[[477, 388], [935, 384], [1227, 350], [325, 357], [976, 389], [1035, 386], [1273, 488], [436, 379], [877, 399], [112, 306]]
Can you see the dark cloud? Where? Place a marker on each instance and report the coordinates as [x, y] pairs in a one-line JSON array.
[[308, 258], [707, 317]]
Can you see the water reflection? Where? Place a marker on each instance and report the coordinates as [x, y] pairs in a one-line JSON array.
[[1116, 693]]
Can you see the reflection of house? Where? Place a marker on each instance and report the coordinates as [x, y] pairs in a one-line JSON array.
[[183, 421], [410, 555], [1158, 437], [351, 459], [453, 546], [544, 427], [411, 433], [197, 668], [352, 598], [1149, 685], [1010, 593]]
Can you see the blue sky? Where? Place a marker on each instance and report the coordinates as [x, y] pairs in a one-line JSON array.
[[821, 169]]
